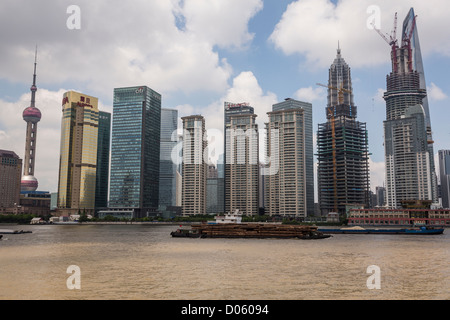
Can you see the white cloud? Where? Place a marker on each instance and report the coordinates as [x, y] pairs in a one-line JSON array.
[[379, 95], [312, 28], [48, 133], [224, 23], [435, 93], [377, 174], [310, 94], [124, 44]]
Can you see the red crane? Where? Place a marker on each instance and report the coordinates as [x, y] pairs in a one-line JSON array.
[[392, 42]]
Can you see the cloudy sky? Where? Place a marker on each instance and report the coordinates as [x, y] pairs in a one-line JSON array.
[[200, 53]]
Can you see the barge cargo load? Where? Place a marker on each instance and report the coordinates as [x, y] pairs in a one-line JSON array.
[[251, 230]]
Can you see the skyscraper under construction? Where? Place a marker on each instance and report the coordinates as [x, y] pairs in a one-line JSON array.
[[342, 142], [410, 169]]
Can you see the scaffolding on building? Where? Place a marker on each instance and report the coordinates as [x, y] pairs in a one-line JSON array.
[[343, 156]]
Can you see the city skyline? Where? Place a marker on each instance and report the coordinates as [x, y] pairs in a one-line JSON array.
[[258, 62]]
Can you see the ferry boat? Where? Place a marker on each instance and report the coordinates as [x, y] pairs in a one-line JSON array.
[[361, 230]]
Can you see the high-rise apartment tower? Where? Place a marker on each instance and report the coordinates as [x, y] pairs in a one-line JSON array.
[[195, 168], [242, 164], [285, 172], [307, 127]]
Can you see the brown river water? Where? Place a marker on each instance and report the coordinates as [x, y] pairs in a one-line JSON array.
[[143, 262]]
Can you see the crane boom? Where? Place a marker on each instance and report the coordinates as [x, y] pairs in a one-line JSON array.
[[392, 42], [340, 91]]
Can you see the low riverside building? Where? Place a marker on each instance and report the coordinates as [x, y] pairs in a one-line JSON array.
[[399, 217]]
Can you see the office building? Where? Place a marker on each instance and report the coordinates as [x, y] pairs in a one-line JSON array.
[[242, 165], [103, 160], [342, 147], [410, 171], [135, 151], [195, 168], [31, 116], [78, 156], [214, 191], [285, 172], [380, 195], [10, 179], [168, 168], [444, 175], [291, 104]]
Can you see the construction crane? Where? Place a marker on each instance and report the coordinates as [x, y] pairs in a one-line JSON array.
[[407, 42], [341, 90], [392, 41]]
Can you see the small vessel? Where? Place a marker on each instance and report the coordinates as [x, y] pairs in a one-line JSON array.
[[8, 231], [361, 230]]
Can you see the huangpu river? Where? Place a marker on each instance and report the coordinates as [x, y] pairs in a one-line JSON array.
[[143, 262]]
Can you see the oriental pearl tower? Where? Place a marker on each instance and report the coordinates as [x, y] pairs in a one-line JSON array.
[[32, 116]]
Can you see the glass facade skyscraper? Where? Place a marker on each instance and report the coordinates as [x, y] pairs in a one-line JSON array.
[[135, 149], [103, 151], [168, 168], [444, 173]]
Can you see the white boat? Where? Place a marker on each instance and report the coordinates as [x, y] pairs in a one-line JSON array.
[[235, 217]]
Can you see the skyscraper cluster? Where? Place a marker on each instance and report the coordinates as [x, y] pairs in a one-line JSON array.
[[126, 163]]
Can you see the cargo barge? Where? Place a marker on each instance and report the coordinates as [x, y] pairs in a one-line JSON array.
[[407, 231], [251, 231]]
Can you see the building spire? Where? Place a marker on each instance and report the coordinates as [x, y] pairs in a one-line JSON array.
[[33, 86], [31, 116]]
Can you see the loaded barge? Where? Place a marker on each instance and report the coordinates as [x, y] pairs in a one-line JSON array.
[[251, 231]]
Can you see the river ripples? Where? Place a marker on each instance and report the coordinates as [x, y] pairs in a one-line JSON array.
[[124, 262]]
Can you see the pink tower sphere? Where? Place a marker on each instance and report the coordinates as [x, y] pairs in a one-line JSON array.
[[32, 114]]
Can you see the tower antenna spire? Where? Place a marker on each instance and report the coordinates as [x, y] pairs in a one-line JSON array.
[[33, 86], [31, 116]]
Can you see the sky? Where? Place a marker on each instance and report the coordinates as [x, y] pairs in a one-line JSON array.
[[200, 53]]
